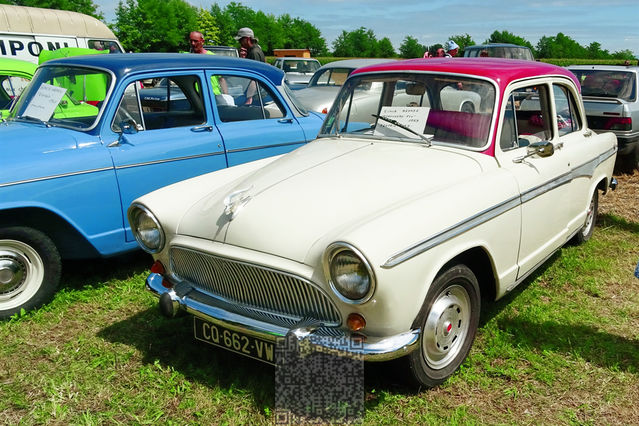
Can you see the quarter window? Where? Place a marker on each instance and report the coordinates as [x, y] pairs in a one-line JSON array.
[[568, 119]]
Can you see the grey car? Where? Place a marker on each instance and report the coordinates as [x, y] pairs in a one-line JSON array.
[[327, 81], [297, 70], [612, 105], [499, 50]]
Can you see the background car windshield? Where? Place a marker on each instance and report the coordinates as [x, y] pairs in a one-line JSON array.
[[609, 84], [447, 109], [301, 65], [64, 96]]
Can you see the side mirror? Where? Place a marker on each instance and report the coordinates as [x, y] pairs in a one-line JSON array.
[[543, 149], [129, 127]]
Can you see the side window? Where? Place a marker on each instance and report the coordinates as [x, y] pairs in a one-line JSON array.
[[174, 101], [322, 80], [568, 119], [526, 117], [12, 87], [246, 99]]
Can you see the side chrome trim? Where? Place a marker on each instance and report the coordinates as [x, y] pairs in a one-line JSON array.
[[170, 160], [83, 172], [451, 232], [584, 170], [253, 148]]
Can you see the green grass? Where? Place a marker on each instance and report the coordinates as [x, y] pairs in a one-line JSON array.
[[562, 348]]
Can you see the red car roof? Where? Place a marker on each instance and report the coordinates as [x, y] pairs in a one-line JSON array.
[[502, 71]]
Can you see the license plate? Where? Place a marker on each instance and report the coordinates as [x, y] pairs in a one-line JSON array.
[[234, 341]]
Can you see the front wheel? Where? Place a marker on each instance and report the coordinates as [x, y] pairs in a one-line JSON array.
[[587, 229], [448, 322], [29, 269]]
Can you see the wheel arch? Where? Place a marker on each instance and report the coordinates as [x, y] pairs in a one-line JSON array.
[[480, 262], [70, 242]]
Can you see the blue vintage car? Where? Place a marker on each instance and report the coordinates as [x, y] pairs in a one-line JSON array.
[[92, 133]]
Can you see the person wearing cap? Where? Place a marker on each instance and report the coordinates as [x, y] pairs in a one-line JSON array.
[[248, 41], [451, 49]]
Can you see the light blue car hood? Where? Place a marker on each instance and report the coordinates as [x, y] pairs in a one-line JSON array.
[[32, 151]]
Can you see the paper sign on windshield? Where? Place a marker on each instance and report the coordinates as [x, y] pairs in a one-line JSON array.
[[412, 117], [44, 102]]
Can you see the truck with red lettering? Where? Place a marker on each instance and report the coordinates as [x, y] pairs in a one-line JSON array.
[[27, 31]]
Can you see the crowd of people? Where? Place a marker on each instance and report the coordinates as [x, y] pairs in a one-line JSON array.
[[449, 50], [249, 44]]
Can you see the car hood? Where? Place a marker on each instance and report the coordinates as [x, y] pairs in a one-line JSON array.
[[31, 151], [317, 98], [323, 190]]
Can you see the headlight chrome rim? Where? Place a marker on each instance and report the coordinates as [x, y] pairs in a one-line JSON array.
[[133, 214], [331, 252]]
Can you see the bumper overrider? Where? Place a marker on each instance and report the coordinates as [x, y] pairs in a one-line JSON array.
[[182, 297]]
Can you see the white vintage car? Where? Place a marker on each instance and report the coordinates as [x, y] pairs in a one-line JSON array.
[[389, 230]]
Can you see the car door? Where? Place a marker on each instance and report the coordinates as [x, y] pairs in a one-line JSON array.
[[544, 182], [253, 119], [162, 132]]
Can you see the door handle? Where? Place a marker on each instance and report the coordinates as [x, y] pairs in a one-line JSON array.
[[285, 120], [202, 128]]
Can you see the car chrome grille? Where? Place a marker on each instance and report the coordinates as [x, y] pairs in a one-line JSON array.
[[258, 291]]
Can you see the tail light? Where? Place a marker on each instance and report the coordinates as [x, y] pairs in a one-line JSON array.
[[618, 123]]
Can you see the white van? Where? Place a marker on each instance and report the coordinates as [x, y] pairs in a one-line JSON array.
[[26, 31]]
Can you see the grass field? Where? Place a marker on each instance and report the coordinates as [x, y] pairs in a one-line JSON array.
[[562, 348]]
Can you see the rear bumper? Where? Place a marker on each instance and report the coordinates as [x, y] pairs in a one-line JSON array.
[[183, 298]]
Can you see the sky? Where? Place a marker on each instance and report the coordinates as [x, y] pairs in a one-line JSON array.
[[613, 23]]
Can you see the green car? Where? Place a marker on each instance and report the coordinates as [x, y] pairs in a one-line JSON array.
[[81, 97], [15, 75]]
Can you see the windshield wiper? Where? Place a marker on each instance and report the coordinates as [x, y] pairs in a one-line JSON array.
[[30, 118], [427, 141]]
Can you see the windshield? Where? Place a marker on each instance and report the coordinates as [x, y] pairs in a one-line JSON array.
[[609, 84], [441, 108], [64, 96]]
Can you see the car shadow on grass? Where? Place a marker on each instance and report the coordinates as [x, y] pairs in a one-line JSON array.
[[612, 221], [171, 343], [78, 273]]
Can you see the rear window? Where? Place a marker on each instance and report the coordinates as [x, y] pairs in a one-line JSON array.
[[509, 52], [607, 84]]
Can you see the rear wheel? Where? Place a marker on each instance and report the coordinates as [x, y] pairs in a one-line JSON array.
[[448, 322], [29, 269], [587, 229]]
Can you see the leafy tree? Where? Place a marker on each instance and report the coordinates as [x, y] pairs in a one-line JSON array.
[[360, 43], [225, 24], [207, 26], [83, 6], [385, 48], [411, 48], [155, 26], [508, 37]]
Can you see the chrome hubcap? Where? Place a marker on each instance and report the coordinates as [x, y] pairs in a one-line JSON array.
[[446, 327], [21, 273], [590, 216], [12, 271]]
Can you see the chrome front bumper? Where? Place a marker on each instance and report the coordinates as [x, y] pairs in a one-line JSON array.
[[185, 299]]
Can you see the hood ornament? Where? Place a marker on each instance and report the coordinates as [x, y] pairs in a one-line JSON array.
[[235, 201]]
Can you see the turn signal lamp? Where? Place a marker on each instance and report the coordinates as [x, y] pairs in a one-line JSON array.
[[355, 322], [157, 268]]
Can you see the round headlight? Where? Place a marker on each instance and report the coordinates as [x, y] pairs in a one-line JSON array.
[[351, 276], [146, 229]]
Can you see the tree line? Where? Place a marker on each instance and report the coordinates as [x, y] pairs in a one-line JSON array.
[[164, 25]]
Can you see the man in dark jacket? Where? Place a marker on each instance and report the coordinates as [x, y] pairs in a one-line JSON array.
[[248, 41]]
